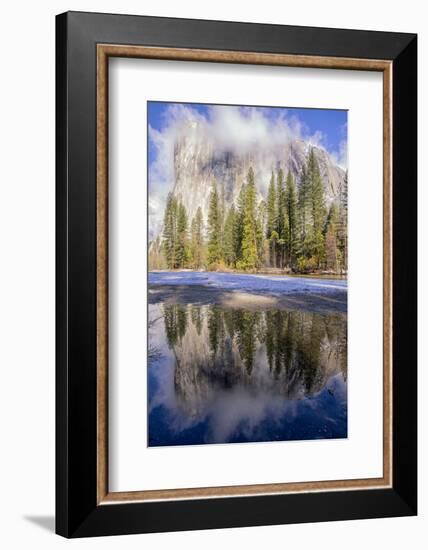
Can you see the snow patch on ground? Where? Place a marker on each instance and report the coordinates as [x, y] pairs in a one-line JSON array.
[[249, 283]]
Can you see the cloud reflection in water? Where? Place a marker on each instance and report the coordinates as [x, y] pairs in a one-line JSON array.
[[223, 375]]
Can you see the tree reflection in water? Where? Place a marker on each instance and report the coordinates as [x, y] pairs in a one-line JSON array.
[[277, 375]]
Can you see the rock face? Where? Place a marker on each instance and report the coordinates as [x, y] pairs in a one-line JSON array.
[[198, 162]]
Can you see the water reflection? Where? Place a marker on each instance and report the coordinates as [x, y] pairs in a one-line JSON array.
[[221, 375]]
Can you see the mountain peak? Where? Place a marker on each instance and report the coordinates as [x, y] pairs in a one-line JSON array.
[[198, 163]]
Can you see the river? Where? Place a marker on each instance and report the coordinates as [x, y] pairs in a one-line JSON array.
[[253, 369]]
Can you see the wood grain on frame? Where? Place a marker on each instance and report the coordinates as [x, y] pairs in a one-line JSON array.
[[104, 51], [102, 276]]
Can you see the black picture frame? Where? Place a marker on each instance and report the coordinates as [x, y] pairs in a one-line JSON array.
[[77, 511]]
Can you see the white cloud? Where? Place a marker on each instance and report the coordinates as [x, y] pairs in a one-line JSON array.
[[235, 129], [340, 157]]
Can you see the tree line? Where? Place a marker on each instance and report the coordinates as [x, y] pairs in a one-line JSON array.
[[291, 230]]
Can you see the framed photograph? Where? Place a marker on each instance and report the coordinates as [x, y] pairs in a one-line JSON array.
[[236, 274]]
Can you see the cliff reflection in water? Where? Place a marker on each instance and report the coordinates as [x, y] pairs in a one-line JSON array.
[[220, 375]]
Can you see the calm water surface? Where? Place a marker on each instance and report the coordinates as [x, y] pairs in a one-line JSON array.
[[220, 375]]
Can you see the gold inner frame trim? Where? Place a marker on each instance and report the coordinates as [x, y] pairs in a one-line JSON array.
[[104, 51]]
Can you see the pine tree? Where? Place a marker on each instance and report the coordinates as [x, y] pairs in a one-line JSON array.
[[281, 219], [332, 254], [316, 241], [181, 253], [272, 220], [214, 228], [156, 257], [222, 218], [292, 219], [231, 237], [197, 240], [304, 212], [260, 232], [169, 236], [240, 219], [249, 258], [342, 236]]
